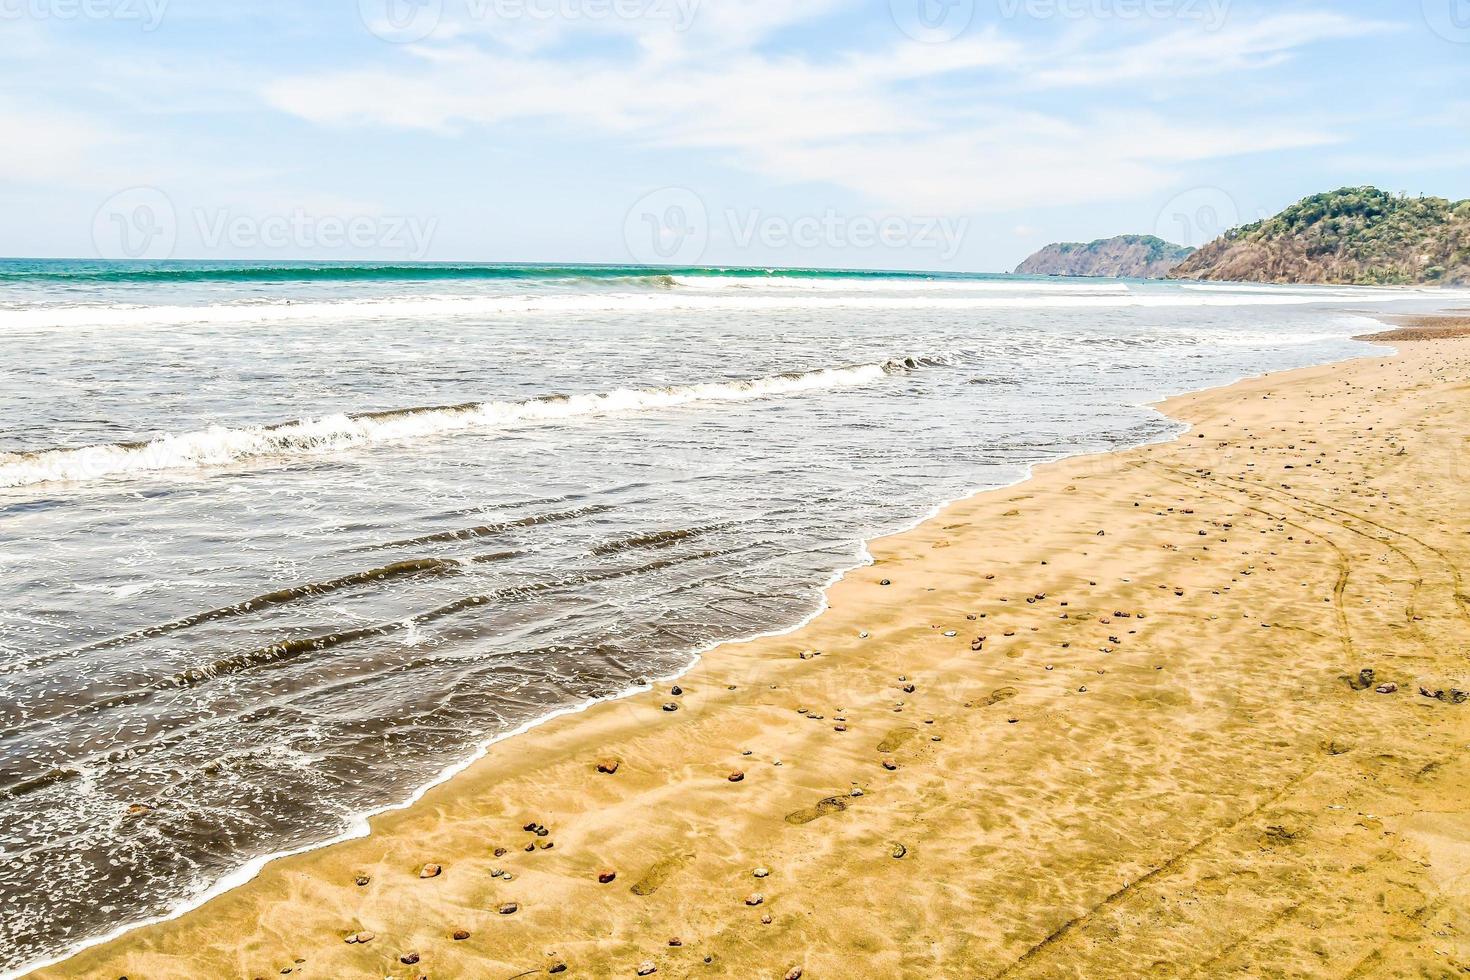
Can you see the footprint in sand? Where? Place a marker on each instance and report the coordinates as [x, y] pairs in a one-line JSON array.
[[896, 740], [1004, 694], [833, 804], [657, 876]]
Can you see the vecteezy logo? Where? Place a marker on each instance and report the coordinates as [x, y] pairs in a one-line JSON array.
[[1450, 19], [1197, 217], [401, 21], [932, 21], [138, 223], [667, 227]]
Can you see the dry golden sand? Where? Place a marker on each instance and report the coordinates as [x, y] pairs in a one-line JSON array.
[[1156, 765]]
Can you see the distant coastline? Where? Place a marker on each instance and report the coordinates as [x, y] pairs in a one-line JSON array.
[[1355, 236], [1122, 257]]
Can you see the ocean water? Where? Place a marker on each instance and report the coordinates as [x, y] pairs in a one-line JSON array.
[[281, 543]]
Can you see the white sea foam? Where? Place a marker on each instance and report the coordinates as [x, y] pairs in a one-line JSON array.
[[1042, 296], [218, 445], [1259, 288], [877, 285]]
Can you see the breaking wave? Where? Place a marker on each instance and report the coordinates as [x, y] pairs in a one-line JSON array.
[[70, 272], [222, 446]]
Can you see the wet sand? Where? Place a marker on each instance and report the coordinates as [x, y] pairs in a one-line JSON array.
[[1433, 327], [1111, 722]]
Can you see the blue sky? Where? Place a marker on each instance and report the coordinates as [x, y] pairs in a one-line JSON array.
[[925, 134]]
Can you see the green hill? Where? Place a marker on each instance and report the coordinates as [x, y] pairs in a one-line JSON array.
[[1127, 256], [1357, 235]]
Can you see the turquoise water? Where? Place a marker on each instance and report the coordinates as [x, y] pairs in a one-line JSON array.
[[279, 542], [74, 270]]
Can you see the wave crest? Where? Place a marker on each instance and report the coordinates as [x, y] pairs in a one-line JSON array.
[[222, 446]]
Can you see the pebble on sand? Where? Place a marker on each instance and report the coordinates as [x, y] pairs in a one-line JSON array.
[[647, 969], [671, 706], [607, 877], [1388, 689], [737, 776], [755, 899], [794, 973], [409, 959], [431, 871], [762, 872], [460, 935], [608, 766], [361, 937], [509, 908]]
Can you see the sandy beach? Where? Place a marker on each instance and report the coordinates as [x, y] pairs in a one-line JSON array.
[[1193, 709], [1444, 326]]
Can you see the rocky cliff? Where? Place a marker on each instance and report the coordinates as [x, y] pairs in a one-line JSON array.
[[1127, 256]]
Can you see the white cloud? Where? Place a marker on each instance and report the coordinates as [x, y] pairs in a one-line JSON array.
[[939, 127], [46, 146], [1192, 53]]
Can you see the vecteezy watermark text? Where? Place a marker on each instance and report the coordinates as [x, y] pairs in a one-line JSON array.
[[673, 226], [407, 21], [679, 14], [942, 236], [1450, 19], [932, 21], [142, 223], [1196, 217], [302, 230], [938, 21], [147, 13], [1211, 13]]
